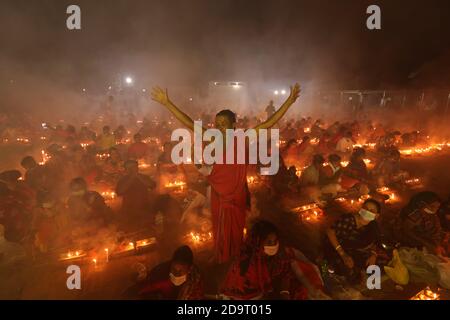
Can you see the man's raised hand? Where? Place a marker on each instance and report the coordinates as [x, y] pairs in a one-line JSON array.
[[160, 95]]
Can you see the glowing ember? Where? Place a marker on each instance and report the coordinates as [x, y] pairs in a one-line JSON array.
[[344, 163], [306, 130], [315, 141]]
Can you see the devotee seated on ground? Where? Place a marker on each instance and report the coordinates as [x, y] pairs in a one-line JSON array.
[[87, 210], [177, 279], [310, 178], [351, 242], [16, 203], [267, 269], [344, 146], [139, 149], [444, 215], [355, 176], [331, 176], [113, 167], [48, 223], [134, 188], [106, 140], [419, 226], [35, 175], [120, 133], [387, 171]]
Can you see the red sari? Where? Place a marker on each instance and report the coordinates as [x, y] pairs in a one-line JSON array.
[[254, 274], [229, 203]]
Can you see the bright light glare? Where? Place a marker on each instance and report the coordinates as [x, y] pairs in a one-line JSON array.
[[283, 91], [276, 92], [129, 80]]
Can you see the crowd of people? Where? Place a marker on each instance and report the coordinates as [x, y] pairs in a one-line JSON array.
[[58, 196]]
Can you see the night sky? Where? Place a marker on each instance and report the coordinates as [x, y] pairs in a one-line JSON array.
[[191, 42]]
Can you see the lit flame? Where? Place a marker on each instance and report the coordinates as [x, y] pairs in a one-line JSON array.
[[102, 156], [175, 184], [45, 157], [23, 140], [425, 150], [198, 238], [344, 163], [109, 195], [426, 294], [251, 179]]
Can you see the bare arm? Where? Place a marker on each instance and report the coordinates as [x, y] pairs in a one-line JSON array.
[[331, 234], [161, 96], [295, 91]]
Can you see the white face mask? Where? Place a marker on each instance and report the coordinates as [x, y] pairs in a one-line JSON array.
[[335, 169], [271, 250], [429, 211], [367, 215], [177, 281], [48, 205], [78, 193]]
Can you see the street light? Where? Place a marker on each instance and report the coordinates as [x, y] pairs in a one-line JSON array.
[[129, 80], [276, 92], [283, 92]]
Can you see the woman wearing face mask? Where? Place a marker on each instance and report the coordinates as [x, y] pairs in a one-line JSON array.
[[352, 240], [418, 225], [266, 269], [177, 279]]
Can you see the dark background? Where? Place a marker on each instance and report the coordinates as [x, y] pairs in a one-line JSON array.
[[191, 42]]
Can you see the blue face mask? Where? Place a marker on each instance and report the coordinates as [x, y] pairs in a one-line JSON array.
[[367, 215]]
